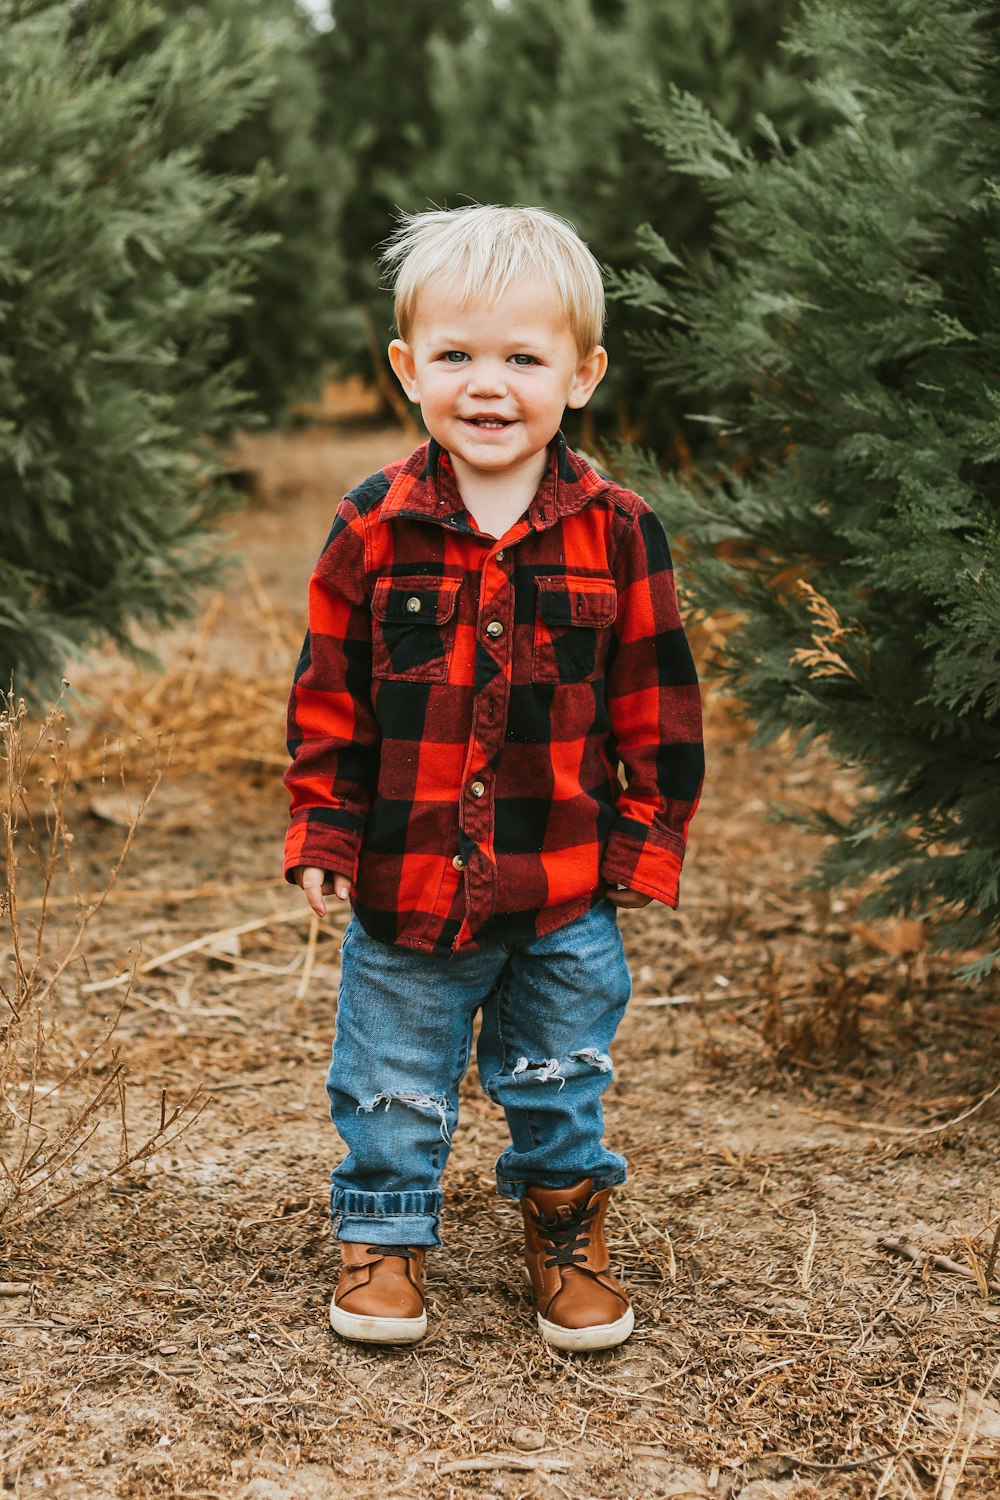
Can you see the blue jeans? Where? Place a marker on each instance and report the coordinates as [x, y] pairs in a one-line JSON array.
[[550, 1008]]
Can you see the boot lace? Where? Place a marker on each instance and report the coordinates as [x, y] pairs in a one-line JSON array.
[[567, 1237], [405, 1252]]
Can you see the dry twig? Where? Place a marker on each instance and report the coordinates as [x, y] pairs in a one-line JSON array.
[[496, 1462], [208, 940], [926, 1258]]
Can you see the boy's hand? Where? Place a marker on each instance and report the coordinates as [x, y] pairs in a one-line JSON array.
[[621, 895], [315, 882]]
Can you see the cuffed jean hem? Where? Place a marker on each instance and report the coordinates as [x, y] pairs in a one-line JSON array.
[[516, 1188], [386, 1218]]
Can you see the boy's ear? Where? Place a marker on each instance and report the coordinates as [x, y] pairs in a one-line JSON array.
[[589, 374], [404, 368]]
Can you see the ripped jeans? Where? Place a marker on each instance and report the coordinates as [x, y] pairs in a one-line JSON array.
[[550, 1008]]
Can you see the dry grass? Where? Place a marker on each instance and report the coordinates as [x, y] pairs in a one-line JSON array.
[[798, 1096], [60, 1097]]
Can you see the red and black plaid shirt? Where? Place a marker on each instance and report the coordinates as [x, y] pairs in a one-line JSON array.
[[462, 706]]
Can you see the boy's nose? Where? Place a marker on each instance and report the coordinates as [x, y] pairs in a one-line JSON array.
[[487, 380]]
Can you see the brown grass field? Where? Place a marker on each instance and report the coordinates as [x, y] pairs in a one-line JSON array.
[[809, 1106]]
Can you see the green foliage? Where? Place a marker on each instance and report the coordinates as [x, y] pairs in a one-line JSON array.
[[122, 262], [845, 334], [289, 330]]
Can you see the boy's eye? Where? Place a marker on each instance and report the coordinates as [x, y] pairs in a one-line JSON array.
[[454, 356], [523, 359]]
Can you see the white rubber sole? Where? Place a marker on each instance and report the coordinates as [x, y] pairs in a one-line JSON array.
[[376, 1330], [603, 1336]]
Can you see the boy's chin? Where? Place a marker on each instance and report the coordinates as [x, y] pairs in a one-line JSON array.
[[499, 445]]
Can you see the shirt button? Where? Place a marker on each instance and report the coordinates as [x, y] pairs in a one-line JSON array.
[[477, 789], [458, 862], [494, 628], [500, 555], [413, 605]]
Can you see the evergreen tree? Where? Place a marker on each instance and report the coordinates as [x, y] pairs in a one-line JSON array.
[[845, 332], [286, 334], [122, 261]]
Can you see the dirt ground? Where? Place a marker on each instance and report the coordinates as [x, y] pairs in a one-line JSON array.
[[793, 1088]]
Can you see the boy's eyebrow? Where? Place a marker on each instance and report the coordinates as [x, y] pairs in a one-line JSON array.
[[530, 343]]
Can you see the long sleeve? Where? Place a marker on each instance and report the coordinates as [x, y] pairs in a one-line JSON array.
[[333, 737], [655, 712]]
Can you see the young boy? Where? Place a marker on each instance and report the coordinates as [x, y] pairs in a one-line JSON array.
[[493, 635]]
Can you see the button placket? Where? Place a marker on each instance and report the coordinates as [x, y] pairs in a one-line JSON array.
[[495, 634]]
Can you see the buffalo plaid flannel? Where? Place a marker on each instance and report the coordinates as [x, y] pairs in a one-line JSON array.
[[462, 706]]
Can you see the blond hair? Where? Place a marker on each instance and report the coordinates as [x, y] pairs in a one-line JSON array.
[[483, 249]]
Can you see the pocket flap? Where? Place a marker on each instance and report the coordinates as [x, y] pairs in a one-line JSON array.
[[571, 600], [415, 601]]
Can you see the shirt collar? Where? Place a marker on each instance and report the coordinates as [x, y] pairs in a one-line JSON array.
[[424, 487]]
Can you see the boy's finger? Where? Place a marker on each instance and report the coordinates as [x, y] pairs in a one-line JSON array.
[[341, 887], [312, 887], [624, 897]]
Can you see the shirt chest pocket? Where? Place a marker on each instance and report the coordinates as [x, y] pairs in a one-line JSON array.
[[413, 628], [572, 619]]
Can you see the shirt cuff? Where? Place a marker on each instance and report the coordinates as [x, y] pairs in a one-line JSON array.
[[324, 838], [650, 863]]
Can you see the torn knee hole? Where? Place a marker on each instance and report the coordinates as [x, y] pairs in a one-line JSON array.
[[424, 1104], [551, 1069], [541, 1072], [599, 1060]]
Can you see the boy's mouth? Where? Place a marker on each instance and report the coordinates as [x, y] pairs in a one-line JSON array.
[[488, 423]]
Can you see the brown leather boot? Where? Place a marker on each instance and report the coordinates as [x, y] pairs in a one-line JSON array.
[[380, 1297], [579, 1303]]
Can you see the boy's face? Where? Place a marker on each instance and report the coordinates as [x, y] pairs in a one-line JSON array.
[[493, 382]]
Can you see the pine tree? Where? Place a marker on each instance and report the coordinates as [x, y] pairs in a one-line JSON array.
[[288, 332], [122, 262], [845, 334]]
